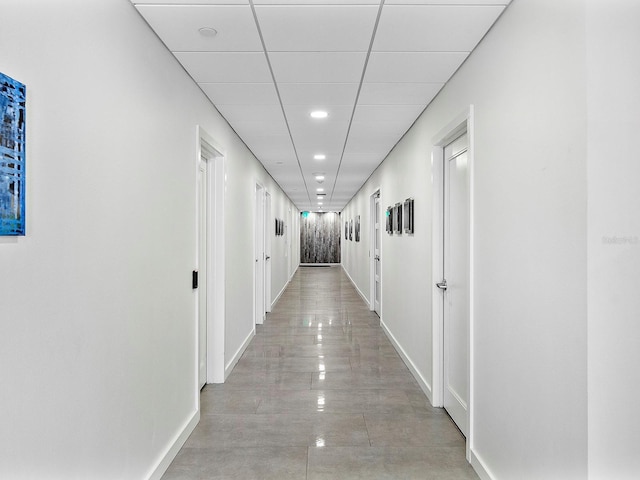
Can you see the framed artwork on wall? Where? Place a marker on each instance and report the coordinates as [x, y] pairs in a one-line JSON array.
[[397, 218], [407, 216], [351, 229], [346, 230], [389, 216], [13, 96], [358, 228]]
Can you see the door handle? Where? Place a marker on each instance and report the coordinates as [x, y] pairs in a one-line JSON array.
[[377, 257], [442, 285], [267, 257]]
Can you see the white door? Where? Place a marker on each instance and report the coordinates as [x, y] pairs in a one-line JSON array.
[[203, 254], [456, 275], [269, 229], [259, 256], [377, 289]]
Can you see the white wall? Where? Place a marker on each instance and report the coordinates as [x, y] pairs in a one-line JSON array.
[[526, 83], [614, 238], [97, 315]]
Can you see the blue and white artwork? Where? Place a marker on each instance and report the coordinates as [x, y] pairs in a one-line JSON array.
[[12, 156]]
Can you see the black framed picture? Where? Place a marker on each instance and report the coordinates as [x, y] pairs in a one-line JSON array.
[[346, 230], [357, 228], [351, 229], [407, 216], [397, 218]]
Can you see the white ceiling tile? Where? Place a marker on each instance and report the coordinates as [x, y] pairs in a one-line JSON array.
[[317, 67], [241, 93], [395, 114], [191, 2], [265, 142], [447, 2], [317, 28], [251, 113], [178, 27], [251, 128], [318, 93], [224, 67], [412, 67], [316, 2], [433, 28], [398, 93]]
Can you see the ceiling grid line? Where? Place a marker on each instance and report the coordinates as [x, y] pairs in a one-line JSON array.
[[275, 84], [355, 104]]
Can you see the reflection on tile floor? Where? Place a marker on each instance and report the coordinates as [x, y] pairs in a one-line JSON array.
[[319, 394]]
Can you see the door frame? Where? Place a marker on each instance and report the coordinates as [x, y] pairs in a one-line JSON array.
[[372, 248], [207, 147], [259, 264], [269, 228], [462, 122]]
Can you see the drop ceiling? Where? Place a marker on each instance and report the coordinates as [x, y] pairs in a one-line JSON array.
[[372, 66]]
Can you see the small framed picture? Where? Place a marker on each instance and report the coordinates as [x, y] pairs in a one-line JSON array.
[[389, 217], [397, 218], [407, 216], [357, 228]]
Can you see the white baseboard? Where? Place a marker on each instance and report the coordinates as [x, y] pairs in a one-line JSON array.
[[236, 357], [163, 464], [294, 272], [424, 385], [366, 300], [273, 304], [479, 466]]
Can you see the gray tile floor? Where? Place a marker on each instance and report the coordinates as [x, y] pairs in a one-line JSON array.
[[319, 394]]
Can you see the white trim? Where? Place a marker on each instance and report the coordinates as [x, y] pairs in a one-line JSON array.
[[236, 357], [216, 260], [172, 450], [273, 304], [462, 122], [320, 264], [294, 272], [354, 284], [479, 466], [424, 384], [372, 248]]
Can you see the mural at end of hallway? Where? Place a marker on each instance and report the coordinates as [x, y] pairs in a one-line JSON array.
[[12, 156], [320, 237]]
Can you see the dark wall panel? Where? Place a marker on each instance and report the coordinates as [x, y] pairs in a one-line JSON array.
[[320, 237]]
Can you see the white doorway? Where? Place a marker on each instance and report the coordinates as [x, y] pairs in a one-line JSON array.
[[202, 275], [455, 281], [452, 272], [269, 230], [376, 262], [210, 260], [259, 254]]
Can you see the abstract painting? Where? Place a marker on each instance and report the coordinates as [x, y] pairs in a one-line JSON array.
[[12, 156]]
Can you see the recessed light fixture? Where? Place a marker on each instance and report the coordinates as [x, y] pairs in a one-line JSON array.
[[319, 178], [319, 189], [319, 156], [319, 114], [208, 32], [319, 203]]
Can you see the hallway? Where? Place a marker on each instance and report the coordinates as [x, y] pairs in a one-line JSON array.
[[320, 393]]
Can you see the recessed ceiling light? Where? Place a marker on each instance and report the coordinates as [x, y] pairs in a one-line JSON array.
[[319, 189], [319, 114], [319, 203], [208, 32], [319, 156], [320, 178]]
